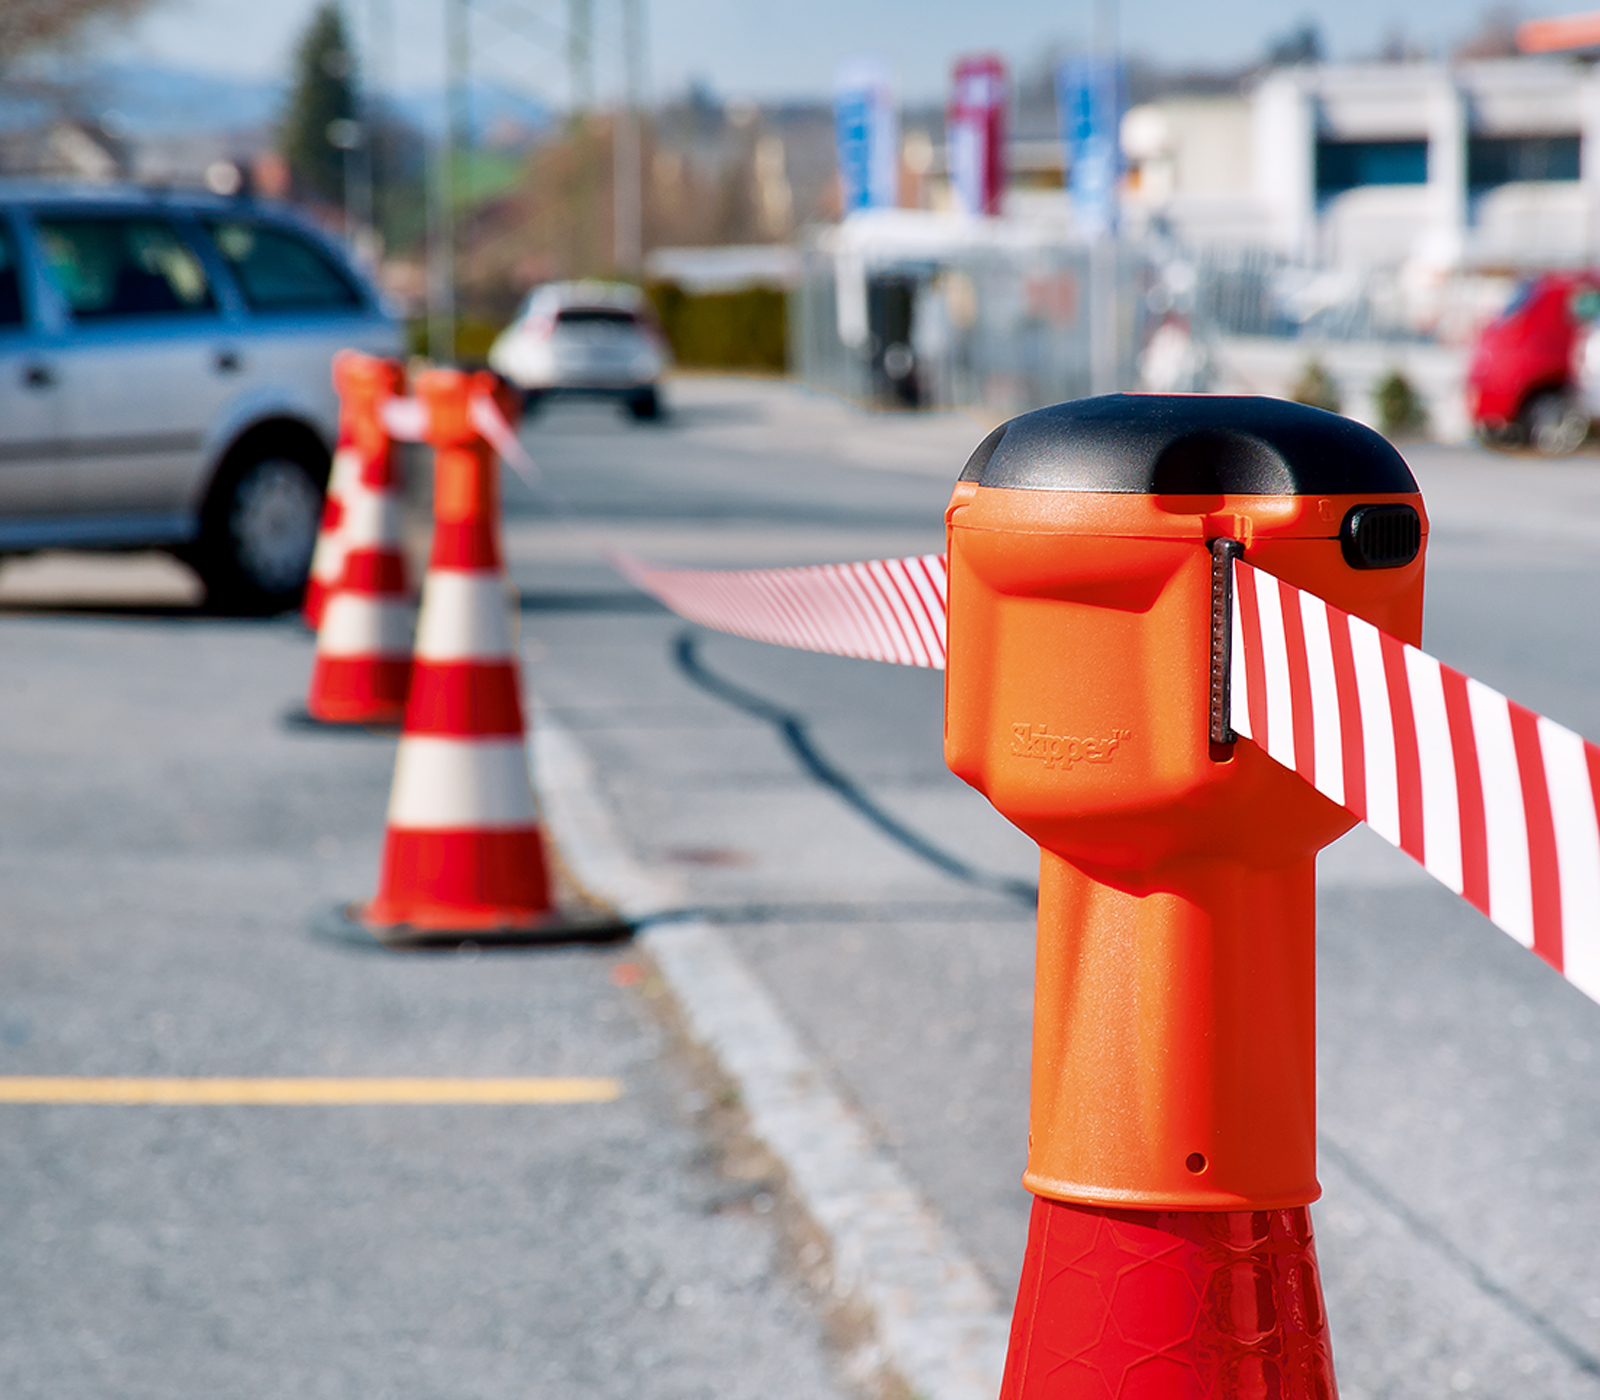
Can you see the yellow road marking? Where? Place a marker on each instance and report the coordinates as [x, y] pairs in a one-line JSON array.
[[120, 1090]]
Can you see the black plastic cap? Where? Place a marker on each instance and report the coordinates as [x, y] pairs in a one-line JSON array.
[[1189, 445]]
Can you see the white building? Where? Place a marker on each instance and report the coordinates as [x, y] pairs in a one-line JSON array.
[[1491, 166]]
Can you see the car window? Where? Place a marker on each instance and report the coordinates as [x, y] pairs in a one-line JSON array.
[[280, 271], [111, 267], [1521, 297], [10, 281], [595, 316]]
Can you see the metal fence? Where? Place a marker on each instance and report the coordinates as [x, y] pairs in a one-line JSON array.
[[1251, 291], [1008, 329]]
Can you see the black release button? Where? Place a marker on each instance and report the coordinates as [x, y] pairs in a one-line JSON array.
[[1380, 537]]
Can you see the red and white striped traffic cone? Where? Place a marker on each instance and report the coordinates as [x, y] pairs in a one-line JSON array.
[[464, 856], [327, 558], [328, 555], [363, 664]]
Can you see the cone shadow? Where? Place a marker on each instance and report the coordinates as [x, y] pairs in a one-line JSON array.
[[563, 929]]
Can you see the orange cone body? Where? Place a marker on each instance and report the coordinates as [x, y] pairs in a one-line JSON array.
[[363, 664], [464, 848]]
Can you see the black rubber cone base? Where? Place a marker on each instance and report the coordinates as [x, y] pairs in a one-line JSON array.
[[563, 928], [301, 720]]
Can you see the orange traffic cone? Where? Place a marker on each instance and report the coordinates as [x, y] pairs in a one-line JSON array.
[[464, 857], [363, 662]]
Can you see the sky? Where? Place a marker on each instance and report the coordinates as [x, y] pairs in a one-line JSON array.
[[770, 49]]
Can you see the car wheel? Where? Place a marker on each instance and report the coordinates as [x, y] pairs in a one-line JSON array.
[[644, 405], [1555, 425], [260, 525], [1508, 437]]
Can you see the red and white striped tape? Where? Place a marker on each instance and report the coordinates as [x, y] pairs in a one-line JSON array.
[[885, 610], [1495, 801]]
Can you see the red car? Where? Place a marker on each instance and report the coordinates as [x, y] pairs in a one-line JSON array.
[[1523, 385]]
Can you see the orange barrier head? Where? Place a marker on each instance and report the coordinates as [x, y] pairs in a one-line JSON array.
[[364, 384], [1174, 1029], [1173, 1042], [466, 497]]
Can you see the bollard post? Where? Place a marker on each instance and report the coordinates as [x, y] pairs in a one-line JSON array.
[[1172, 1139]]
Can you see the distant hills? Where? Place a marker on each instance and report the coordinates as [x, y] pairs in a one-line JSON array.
[[149, 101]]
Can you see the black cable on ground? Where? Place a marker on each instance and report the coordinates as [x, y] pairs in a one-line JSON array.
[[840, 911], [796, 735]]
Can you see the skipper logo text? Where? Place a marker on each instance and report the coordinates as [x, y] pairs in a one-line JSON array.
[[1062, 750]]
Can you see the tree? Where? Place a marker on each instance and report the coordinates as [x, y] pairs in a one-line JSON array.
[[1302, 44], [26, 25], [1397, 47], [316, 122], [1495, 35]]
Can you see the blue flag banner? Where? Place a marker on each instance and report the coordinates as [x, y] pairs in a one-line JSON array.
[[867, 131], [1089, 98]]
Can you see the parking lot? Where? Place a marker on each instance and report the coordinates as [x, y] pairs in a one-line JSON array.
[[170, 840]]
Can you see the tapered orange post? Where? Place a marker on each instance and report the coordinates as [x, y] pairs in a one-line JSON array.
[[1172, 1142]]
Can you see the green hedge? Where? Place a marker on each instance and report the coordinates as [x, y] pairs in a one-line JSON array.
[[724, 330], [474, 336], [1402, 411]]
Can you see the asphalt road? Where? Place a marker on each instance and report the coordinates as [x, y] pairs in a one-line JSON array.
[[1459, 1232], [165, 841]]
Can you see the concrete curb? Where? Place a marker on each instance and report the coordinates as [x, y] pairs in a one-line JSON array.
[[938, 1321]]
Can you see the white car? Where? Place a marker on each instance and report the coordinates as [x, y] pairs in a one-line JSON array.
[[585, 339]]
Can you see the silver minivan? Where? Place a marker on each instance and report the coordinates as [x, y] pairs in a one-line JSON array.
[[164, 379]]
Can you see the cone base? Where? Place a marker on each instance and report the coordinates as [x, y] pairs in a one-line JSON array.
[[359, 690], [1168, 1305], [462, 879], [302, 718], [348, 925], [386, 717]]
